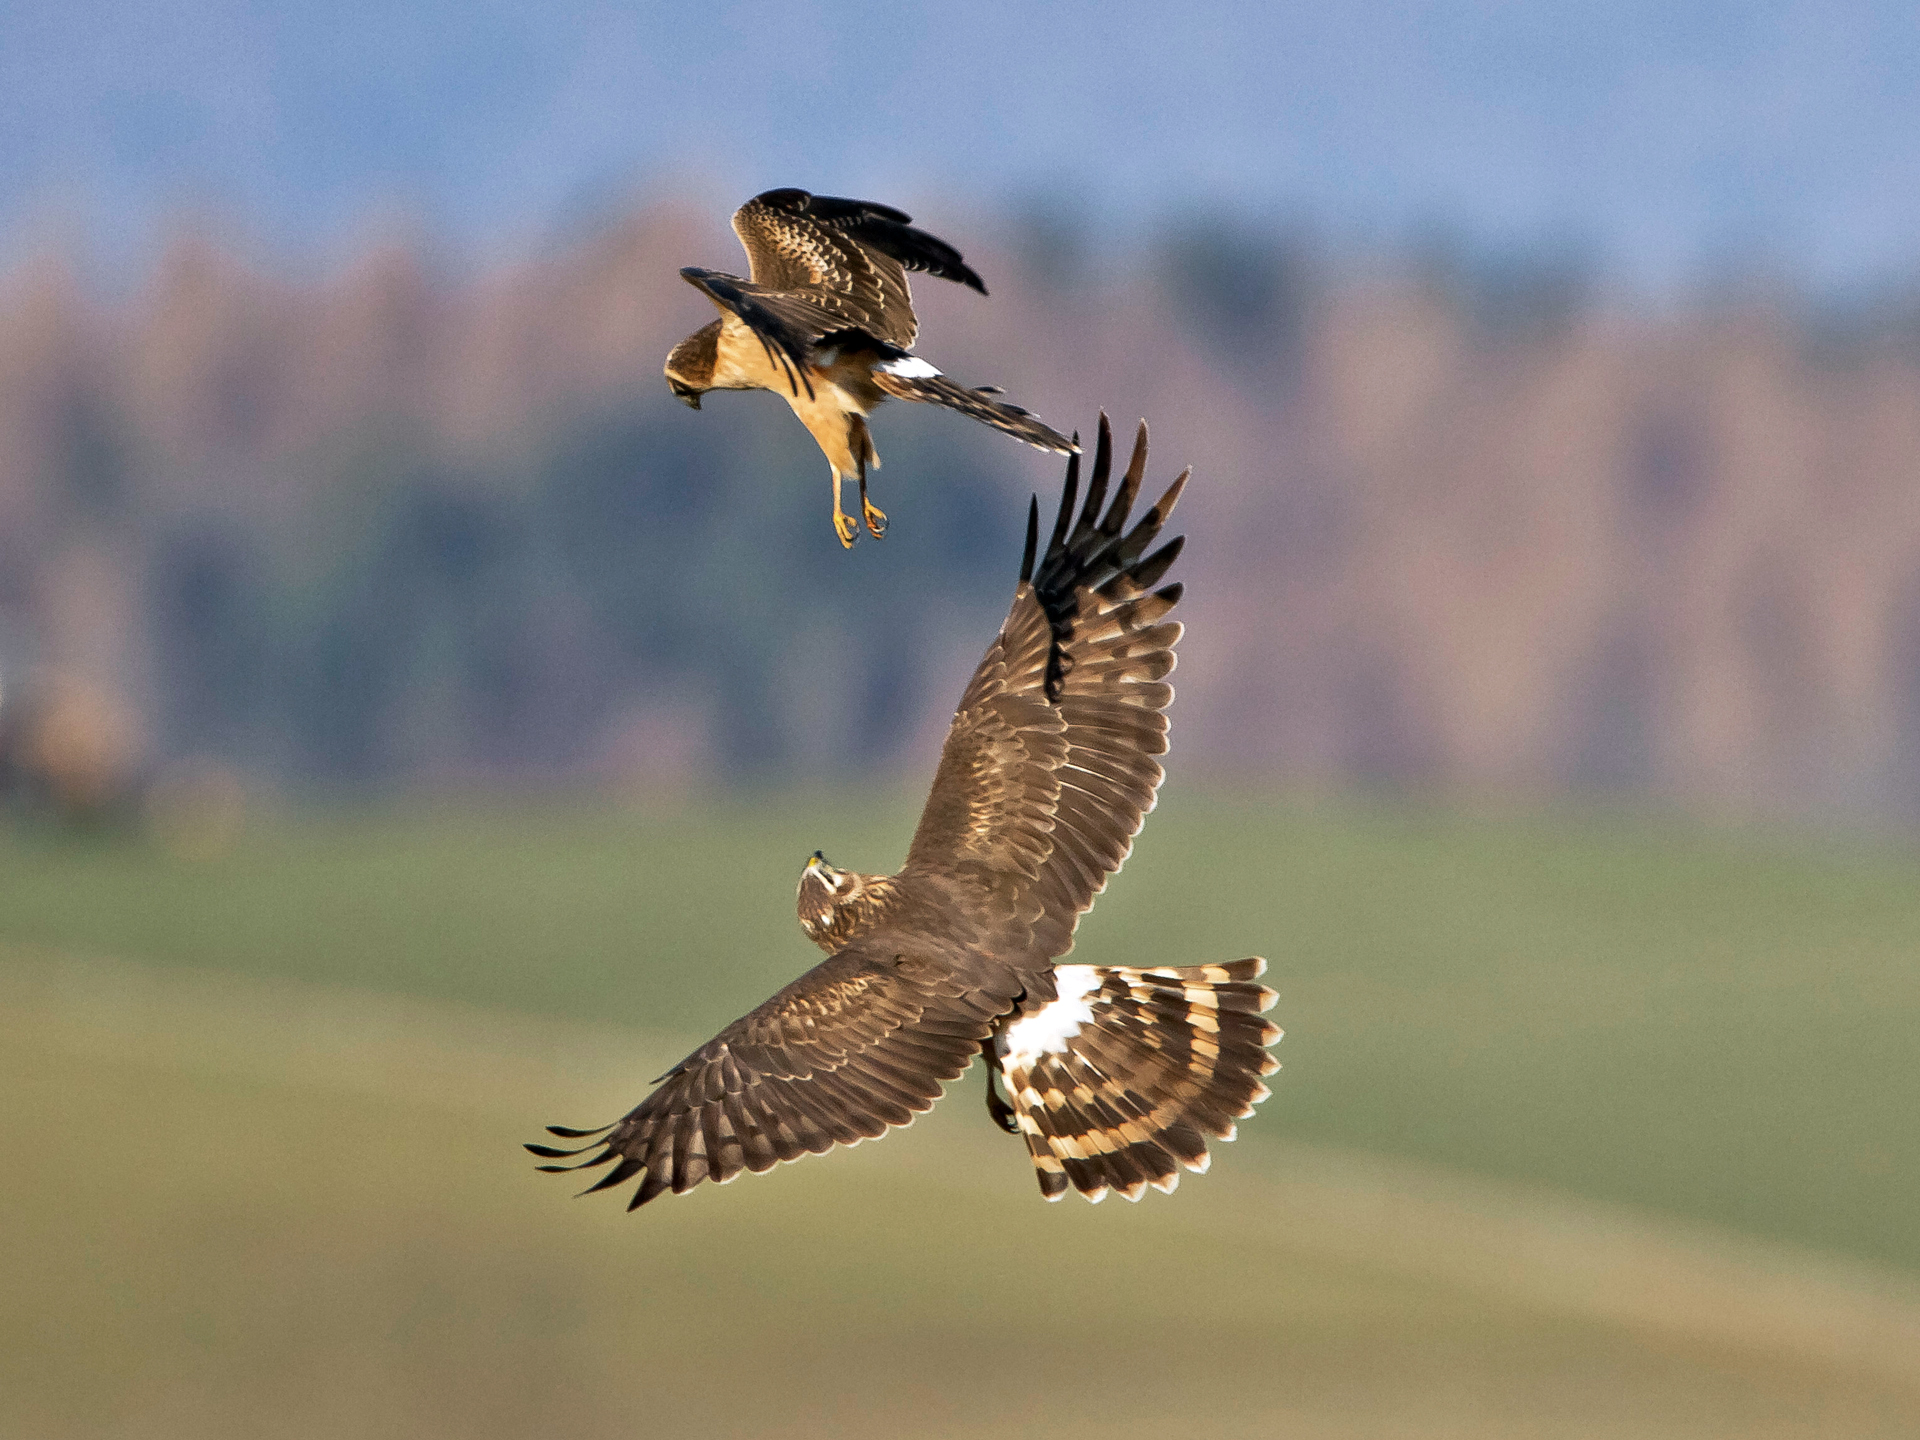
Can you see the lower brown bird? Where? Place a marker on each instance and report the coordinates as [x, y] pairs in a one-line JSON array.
[[1116, 1076]]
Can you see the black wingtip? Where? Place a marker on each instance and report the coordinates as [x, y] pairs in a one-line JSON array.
[[565, 1134], [625, 1170], [650, 1187], [886, 229], [1101, 553], [547, 1152], [785, 197], [1068, 494], [601, 1156], [1147, 573], [1129, 491], [1033, 539], [1089, 520], [1163, 507]]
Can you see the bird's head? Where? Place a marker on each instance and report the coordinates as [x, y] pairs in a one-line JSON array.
[[829, 901], [690, 365]]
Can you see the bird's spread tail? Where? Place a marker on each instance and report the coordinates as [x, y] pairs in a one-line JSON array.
[[911, 378], [1117, 1083]]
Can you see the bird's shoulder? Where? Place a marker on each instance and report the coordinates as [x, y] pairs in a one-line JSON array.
[[890, 961]]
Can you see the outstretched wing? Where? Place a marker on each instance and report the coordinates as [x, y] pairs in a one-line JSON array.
[[788, 324], [859, 1043], [851, 256], [1049, 767]]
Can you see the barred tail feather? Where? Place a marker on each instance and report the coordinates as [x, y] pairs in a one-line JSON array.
[[911, 378], [1118, 1082]]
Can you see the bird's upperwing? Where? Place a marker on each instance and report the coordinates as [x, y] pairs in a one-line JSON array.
[[859, 1043], [1049, 766], [853, 256]]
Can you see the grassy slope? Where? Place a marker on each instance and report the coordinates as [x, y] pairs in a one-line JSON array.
[[238, 1210], [1712, 1024]]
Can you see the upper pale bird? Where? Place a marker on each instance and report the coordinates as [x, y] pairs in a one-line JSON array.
[[827, 321]]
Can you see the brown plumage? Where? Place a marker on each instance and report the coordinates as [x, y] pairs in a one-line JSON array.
[[1116, 1075], [827, 321]]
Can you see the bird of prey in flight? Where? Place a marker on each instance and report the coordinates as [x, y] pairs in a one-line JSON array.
[[1115, 1075], [826, 320]]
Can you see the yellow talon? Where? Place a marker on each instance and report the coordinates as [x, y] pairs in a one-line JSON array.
[[845, 528], [876, 518]]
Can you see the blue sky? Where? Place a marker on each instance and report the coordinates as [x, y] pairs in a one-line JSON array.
[[1661, 140]]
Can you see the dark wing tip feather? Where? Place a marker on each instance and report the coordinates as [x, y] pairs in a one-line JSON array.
[[592, 1162], [1124, 551], [882, 227], [1149, 570], [1137, 465], [1033, 539], [1129, 486], [785, 197], [624, 1171], [1098, 548], [565, 1134], [1068, 493], [1096, 486], [649, 1188], [830, 207], [1163, 507]]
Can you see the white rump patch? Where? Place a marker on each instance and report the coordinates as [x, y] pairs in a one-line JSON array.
[[908, 367], [1047, 1030]]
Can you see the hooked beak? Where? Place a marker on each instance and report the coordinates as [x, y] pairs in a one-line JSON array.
[[688, 398]]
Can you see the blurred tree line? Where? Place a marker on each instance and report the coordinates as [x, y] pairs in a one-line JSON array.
[[467, 622], [1460, 521]]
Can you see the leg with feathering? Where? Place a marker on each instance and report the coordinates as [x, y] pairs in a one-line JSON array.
[[875, 517], [999, 1109], [844, 524], [860, 446]]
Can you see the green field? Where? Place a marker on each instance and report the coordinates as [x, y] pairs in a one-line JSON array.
[[1625, 1082]]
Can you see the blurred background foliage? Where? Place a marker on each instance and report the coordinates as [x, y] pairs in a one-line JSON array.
[[1465, 525]]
